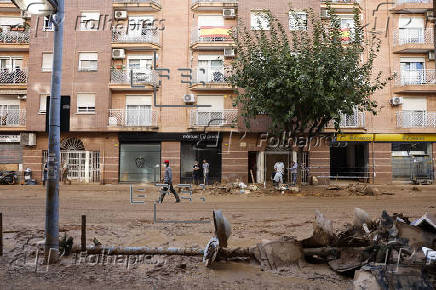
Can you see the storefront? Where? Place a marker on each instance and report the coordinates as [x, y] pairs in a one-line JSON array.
[[11, 152], [142, 155]]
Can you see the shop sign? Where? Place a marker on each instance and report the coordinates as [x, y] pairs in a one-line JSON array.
[[10, 138], [355, 138], [386, 138]]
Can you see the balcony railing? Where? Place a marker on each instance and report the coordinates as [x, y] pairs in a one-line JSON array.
[[211, 34], [413, 36], [213, 118], [400, 2], [339, 1], [13, 76], [215, 1], [356, 120], [12, 118], [132, 36], [136, 1], [9, 36], [119, 118], [416, 77], [209, 75], [134, 76], [416, 119]]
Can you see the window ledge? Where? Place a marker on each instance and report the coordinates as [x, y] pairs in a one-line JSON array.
[[85, 113]]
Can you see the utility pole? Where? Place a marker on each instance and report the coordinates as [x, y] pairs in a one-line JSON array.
[[54, 158]]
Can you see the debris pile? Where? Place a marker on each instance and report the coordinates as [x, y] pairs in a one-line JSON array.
[[383, 248]]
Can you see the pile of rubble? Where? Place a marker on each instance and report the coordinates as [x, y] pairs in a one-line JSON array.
[[384, 253]]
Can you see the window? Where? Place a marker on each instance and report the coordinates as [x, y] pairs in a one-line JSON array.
[[347, 27], [412, 71], [85, 103], [213, 114], [89, 21], [138, 111], [47, 61], [297, 20], [48, 24], [210, 68], [411, 30], [10, 63], [88, 61], [43, 104], [259, 20]]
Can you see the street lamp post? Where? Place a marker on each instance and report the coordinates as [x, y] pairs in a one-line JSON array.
[[55, 8]]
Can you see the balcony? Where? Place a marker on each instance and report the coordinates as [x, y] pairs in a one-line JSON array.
[[8, 5], [143, 5], [14, 40], [132, 119], [12, 118], [218, 118], [415, 81], [416, 119], [146, 39], [355, 121], [16, 78], [210, 78], [211, 38], [198, 5], [340, 5], [133, 79], [412, 6], [413, 40]]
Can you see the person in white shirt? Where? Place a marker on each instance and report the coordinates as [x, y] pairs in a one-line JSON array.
[[279, 169], [294, 169]]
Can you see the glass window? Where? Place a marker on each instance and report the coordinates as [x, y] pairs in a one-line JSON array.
[[259, 20], [48, 24], [47, 61], [140, 162], [43, 104], [89, 21], [297, 20], [88, 61], [85, 103]]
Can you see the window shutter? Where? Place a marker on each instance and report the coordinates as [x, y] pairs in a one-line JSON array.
[[47, 61], [415, 104]]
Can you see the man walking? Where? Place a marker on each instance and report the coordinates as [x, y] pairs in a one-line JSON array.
[[168, 179], [205, 172]]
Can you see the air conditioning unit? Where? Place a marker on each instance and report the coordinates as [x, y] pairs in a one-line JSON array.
[[324, 13], [429, 15], [118, 53], [190, 98], [229, 52], [25, 15], [120, 14], [229, 13], [28, 139], [431, 55], [396, 101]]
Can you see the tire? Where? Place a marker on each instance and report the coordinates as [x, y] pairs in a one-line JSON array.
[[11, 181]]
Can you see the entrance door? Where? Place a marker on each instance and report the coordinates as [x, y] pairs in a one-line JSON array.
[[140, 163], [65, 114], [349, 162]]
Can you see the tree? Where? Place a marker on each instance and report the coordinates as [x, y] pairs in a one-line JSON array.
[[307, 78]]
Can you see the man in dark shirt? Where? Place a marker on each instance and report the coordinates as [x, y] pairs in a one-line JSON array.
[[168, 179]]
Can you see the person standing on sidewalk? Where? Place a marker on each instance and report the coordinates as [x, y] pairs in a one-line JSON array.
[[205, 172], [168, 179], [196, 173]]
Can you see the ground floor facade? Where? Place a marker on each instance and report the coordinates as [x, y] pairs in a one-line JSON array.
[[111, 158]]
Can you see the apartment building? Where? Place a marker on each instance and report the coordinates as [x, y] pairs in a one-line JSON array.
[[144, 81]]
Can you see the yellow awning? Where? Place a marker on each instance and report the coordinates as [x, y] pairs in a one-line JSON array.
[[386, 137]]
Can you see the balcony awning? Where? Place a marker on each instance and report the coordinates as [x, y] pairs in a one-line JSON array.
[[215, 31]]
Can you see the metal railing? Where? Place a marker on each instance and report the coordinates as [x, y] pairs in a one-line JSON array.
[[13, 76], [339, 1], [399, 2], [211, 34], [209, 75], [12, 118], [413, 36], [214, 118], [134, 76], [131, 36], [9, 36], [415, 77], [132, 118], [356, 120], [416, 119], [136, 1], [214, 1]]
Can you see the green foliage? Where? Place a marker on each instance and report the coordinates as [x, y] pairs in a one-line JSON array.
[[305, 79]]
